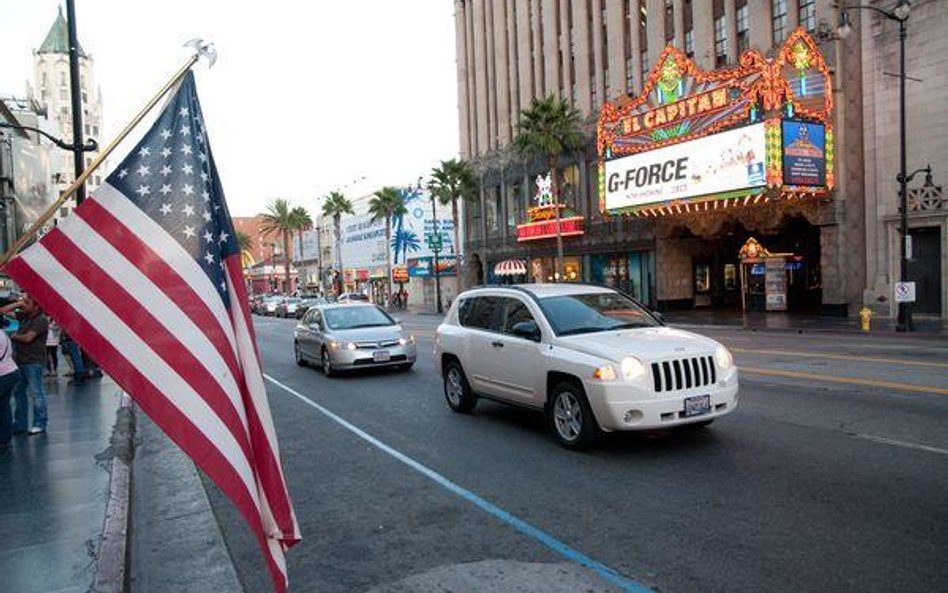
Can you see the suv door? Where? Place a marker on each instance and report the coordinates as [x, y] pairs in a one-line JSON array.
[[480, 318], [516, 363]]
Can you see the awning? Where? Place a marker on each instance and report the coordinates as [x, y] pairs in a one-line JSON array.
[[510, 267]]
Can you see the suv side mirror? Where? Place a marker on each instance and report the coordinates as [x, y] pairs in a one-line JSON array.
[[527, 329]]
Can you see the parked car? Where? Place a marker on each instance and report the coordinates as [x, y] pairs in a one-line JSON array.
[[591, 358], [352, 297], [348, 337], [307, 303], [287, 307]]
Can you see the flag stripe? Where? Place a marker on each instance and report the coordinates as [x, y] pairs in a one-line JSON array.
[[167, 250], [142, 320], [163, 276], [151, 367], [263, 437]]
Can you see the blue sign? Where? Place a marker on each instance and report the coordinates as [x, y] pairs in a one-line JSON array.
[[804, 154]]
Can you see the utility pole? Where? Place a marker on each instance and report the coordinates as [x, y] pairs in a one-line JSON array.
[[75, 91]]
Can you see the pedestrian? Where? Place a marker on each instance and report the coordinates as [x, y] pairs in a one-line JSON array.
[[52, 350], [9, 377], [29, 353], [75, 359]]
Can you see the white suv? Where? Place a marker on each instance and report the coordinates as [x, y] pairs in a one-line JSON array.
[[591, 358]]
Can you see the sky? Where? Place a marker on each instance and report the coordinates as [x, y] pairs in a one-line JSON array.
[[306, 97]]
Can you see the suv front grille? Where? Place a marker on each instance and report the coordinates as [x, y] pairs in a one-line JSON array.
[[684, 373]]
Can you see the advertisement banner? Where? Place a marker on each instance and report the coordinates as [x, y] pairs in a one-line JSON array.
[[363, 242], [720, 163], [421, 267], [412, 232], [310, 241], [804, 154]]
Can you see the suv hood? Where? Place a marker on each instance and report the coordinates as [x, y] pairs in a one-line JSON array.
[[649, 344]]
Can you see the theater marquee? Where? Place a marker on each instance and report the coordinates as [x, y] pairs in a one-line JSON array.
[[762, 129]]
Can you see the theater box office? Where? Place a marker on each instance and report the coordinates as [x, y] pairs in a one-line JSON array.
[[711, 160]]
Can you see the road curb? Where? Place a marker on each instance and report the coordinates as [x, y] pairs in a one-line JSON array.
[[111, 562]]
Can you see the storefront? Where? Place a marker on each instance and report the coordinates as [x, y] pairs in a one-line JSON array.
[[714, 162]]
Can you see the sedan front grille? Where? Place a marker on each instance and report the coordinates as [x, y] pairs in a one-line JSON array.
[[373, 345], [684, 373]]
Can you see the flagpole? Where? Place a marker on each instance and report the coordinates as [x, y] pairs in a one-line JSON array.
[[44, 218]]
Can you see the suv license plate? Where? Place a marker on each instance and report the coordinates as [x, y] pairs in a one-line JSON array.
[[697, 405], [381, 356]]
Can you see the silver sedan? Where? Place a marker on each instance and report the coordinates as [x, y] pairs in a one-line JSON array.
[[349, 337]]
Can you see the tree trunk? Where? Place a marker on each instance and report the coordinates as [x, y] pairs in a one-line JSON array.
[[286, 262], [299, 276], [558, 276], [337, 230], [457, 242], [388, 258]]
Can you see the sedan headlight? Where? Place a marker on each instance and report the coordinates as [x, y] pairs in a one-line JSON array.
[[632, 368], [405, 341], [351, 346], [723, 357]]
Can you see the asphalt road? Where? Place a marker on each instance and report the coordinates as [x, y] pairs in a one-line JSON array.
[[831, 476]]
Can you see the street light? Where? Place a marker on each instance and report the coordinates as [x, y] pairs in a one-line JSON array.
[[900, 14]]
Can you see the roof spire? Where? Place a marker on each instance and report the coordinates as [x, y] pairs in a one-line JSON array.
[[57, 40]]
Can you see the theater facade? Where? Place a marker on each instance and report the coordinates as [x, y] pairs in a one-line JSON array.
[[709, 189]]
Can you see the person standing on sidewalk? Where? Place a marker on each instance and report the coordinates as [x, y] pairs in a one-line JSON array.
[[9, 377], [52, 349], [71, 349], [29, 352]]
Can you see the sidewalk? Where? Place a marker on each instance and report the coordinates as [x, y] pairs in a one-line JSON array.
[[55, 492], [54, 489], [802, 323]]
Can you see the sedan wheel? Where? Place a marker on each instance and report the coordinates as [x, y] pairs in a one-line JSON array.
[[299, 355], [456, 388], [570, 418], [327, 364]]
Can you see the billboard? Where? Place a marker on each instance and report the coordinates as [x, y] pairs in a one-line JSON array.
[[31, 181], [720, 163], [363, 242], [804, 154], [310, 243], [411, 232]]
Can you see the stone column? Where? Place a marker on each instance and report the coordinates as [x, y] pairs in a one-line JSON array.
[[656, 29], [551, 46], [480, 78], [524, 57], [730, 20], [703, 22], [634, 31], [501, 84], [460, 48], [616, 49], [760, 25], [600, 55], [679, 24], [582, 77]]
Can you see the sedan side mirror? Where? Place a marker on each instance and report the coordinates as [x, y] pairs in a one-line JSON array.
[[527, 329]]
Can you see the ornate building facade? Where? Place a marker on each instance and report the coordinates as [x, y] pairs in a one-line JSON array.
[[832, 230]]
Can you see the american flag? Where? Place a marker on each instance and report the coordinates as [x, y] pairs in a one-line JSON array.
[[146, 276]]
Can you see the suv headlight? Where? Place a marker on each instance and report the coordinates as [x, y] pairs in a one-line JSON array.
[[632, 368], [723, 357]]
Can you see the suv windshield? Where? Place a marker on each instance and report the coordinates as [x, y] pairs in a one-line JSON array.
[[356, 317], [594, 312]]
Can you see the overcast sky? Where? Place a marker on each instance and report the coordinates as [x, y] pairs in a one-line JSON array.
[[306, 96]]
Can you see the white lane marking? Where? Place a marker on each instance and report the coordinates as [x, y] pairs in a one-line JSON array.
[[903, 444]]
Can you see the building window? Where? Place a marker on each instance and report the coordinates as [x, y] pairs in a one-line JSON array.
[[720, 41], [807, 14], [85, 97], [645, 67], [743, 35], [779, 20], [63, 93], [690, 43], [62, 79], [627, 15], [669, 22]]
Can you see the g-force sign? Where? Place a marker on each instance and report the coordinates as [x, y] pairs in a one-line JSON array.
[[720, 163]]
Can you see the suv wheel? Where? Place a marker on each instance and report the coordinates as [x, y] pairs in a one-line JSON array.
[[456, 388], [570, 418]]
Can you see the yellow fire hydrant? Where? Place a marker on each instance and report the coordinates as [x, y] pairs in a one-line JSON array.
[[865, 316]]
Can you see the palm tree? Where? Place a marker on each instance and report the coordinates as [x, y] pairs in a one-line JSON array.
[[550, 128], [244, 242], [335, 205], [386, 203], [279, 219], [453, 180], [301, 221]]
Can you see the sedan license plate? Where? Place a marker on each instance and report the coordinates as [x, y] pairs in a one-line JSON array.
[[381, 356], [697, 405]]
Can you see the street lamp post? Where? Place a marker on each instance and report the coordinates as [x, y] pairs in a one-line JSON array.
[[900, 14]]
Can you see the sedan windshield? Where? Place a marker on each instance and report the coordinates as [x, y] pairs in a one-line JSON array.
[[595, 312], [356, 317]]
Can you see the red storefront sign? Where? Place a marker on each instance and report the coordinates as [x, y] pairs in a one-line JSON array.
[[569, 227]]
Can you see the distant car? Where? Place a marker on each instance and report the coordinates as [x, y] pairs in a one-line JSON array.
[[287, 307], [308, 303], [352, 297], [269, 305], [589, 357], [350, 337]]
